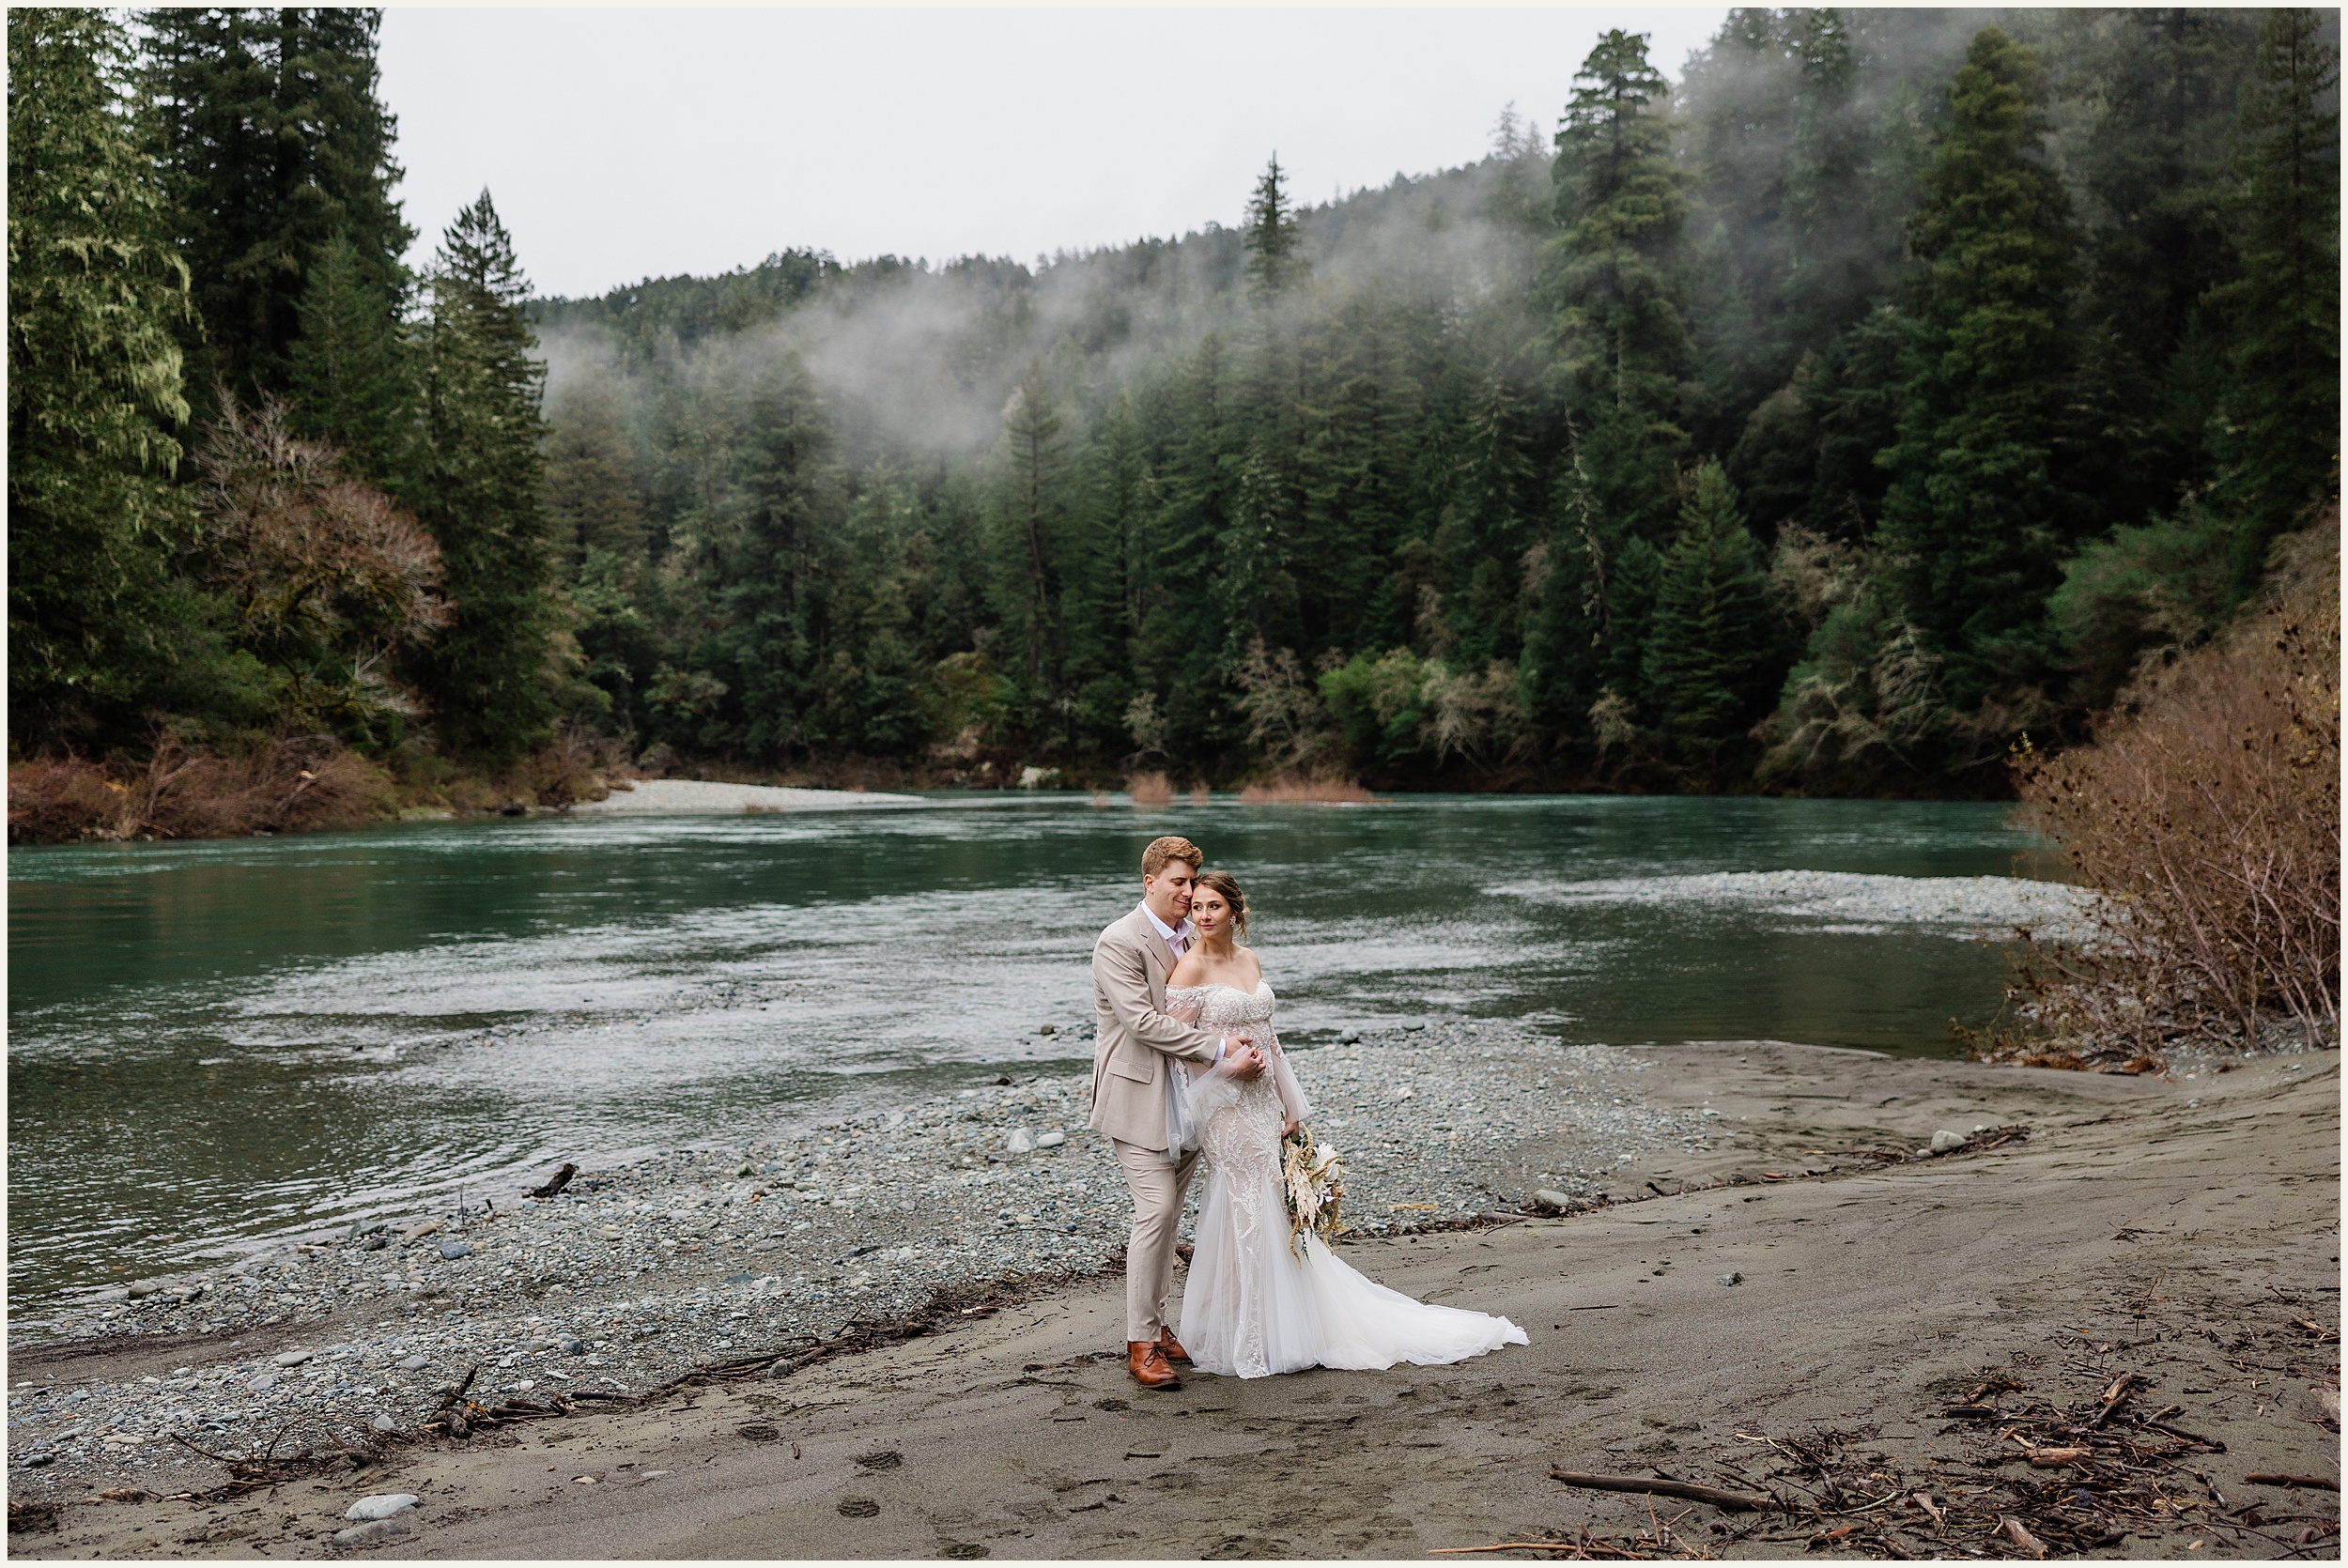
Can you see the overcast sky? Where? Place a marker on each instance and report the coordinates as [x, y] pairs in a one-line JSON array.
[[622, 144]]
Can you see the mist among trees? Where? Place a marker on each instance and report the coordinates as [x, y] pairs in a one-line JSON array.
[[1891, 385]]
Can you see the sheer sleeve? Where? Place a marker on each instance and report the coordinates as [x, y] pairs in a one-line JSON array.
[[1193, 1093], [1293, 1105]]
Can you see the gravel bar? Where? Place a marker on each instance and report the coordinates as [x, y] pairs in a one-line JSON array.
[[636, 1272]]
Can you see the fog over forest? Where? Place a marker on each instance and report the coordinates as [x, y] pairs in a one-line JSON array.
[[1892, 390]]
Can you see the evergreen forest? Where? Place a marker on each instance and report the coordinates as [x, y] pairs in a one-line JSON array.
[[1888, 388]]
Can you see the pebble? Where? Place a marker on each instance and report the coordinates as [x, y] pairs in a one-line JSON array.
[[721, 1251], [291, 1358], [1847, 901], [1732, 1279], [451, 1251], [382, 1506], [1945, 1140]]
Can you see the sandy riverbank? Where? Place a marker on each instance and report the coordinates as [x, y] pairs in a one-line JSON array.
[[643, 1268], [2178, 1230], [692, 797]]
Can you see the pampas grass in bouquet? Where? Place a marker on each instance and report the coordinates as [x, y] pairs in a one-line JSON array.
[[1312, 1180]]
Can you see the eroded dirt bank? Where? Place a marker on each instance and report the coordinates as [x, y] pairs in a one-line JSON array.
[[2186, 1232]]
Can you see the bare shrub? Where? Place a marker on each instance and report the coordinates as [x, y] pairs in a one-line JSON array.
[[292, 784], [329, 579], [1150, 788], [577, 767], [1295, 789], [2207, 812], [1287, 720], [57, 800]]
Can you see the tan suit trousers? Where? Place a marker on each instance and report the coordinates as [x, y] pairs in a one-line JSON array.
[[1157, 1188]]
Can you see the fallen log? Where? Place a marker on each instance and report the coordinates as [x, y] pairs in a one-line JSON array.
[[1736, 1502]]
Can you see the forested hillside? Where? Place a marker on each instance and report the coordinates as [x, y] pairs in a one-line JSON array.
[[1896, 384]]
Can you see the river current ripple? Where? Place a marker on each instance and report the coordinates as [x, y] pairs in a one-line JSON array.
[[215, 1045]]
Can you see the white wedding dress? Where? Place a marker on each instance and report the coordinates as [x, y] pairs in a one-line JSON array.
[[1253, 1307]]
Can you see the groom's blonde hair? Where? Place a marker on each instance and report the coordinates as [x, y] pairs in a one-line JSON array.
[[1153, 859]]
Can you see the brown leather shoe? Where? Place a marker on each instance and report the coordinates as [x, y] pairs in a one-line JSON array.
[[1172, 1346], [1146, 1361]]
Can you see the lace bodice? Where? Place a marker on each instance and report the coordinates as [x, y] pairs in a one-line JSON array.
[[1221, 1007]]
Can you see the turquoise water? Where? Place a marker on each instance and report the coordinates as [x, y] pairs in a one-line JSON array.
[[216, 1043]]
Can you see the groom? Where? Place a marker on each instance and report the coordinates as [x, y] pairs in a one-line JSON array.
[[1132, 1075]]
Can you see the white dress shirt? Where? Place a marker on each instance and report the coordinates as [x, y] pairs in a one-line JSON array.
[[1177, 937]]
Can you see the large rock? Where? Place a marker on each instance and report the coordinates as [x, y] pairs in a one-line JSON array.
[[382, 1506]]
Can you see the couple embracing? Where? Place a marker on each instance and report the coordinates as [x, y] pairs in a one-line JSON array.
[[1188, 1064]]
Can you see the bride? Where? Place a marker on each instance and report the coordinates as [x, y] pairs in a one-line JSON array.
[[1254, 1307]]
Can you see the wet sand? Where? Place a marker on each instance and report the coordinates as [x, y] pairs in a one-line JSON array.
[[2180, 1230]]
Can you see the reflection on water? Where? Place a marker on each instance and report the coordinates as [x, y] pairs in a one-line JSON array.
[[214, 1042]]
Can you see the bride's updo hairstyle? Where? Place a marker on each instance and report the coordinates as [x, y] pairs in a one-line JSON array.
[[1224, 883]]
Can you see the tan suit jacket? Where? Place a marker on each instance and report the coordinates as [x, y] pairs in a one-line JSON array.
[[1135, 1038]]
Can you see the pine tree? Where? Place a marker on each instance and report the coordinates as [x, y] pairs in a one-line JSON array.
[[2280, 438], [95, 294], [274, 141], [1032, 513], [1276, 260], [2157, 88], [591, 479], [1836, 262], [1252, 589], [491, 677], [786, 492], [1623, 342], [1713, 652], [1745, 82], [1975, 523], [350, 379]]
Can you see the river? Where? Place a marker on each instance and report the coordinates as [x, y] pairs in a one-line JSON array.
[[215, 1044]]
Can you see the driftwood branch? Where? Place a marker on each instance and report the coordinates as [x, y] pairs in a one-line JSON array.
[[561, 1179], [2272, 1478], [1736, 1502], [2113, 1398]]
